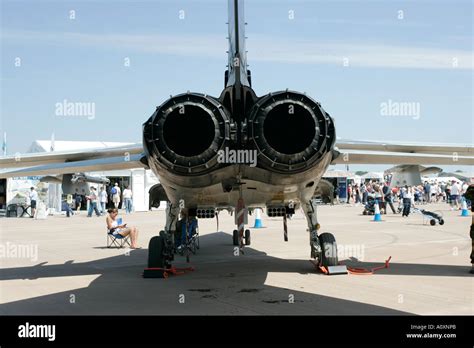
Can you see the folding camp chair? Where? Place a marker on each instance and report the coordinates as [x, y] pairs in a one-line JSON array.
[[118, 241], [191, 245], [193, 242]]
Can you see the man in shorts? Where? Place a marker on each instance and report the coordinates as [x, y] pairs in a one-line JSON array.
[[116, 193], [455, 192]]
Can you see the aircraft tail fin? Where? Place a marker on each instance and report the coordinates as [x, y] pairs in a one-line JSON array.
[[237, 66]]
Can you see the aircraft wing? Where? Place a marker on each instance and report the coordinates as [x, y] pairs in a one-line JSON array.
[[54, 163], [131, 156], [371, 152]]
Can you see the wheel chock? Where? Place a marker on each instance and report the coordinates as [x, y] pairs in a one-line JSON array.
[[343, 269], [333, 270]]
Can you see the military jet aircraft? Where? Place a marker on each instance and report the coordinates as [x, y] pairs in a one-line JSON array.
[[239, 151]]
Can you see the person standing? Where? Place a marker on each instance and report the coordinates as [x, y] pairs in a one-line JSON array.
[[378, 196], [363, 192], [455, 192], [442, 189], [93, 199], [103, 199], [69, 211], [116, 194], [407, 200], [469, 195], [427, 192], [448, 193], [127, 199], [78, 200], [387, 192], [349, 193], [464, 188], [33, 200], [434, 192], [357, 194]]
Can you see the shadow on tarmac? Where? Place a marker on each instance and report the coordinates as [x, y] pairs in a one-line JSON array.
[[221, 284]]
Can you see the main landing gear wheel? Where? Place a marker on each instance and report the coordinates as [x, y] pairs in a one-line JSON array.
[[156, 256], [329, 250], [247, 237], [235, 237]]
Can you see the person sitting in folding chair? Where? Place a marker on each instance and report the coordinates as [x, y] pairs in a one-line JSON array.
[[116, 231]]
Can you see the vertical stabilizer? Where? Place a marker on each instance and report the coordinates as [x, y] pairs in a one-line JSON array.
[[237, 54]]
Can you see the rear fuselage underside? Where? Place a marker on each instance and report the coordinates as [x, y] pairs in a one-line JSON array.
[[221, 188]]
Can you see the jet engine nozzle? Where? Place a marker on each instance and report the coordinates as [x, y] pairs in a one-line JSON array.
[[291, 131], [185, 119]]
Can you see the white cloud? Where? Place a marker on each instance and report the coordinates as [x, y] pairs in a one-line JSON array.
[[263, 48], [360, 55]]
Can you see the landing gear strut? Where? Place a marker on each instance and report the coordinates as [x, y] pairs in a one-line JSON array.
[[240, 236], [323, 247]]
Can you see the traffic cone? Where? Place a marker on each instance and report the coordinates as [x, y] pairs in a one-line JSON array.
[[258, 219], [377, 216], [464, 211]]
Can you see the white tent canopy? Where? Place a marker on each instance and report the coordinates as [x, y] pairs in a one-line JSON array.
[[373, 175], [338, 174]]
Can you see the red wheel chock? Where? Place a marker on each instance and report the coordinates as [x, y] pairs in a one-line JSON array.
[[343, 269], [330, 270]]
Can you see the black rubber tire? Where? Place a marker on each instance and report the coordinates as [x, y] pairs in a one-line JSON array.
[[441, 222], [328, 245], [364, 212], [235, 237], [247, 237], [432, 222], [156, 247]]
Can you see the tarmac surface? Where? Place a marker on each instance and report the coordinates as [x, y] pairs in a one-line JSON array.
[[74, 273]]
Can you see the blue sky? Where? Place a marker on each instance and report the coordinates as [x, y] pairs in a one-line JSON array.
[[422, 55]]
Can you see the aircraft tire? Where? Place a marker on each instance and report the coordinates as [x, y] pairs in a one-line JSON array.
[[156, 257], [235, 237], [328, 246], [247, 237]]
